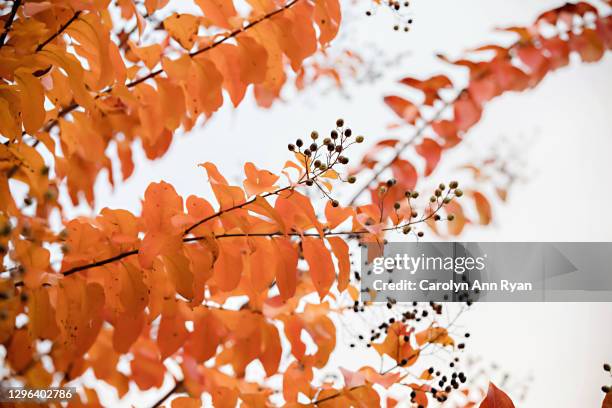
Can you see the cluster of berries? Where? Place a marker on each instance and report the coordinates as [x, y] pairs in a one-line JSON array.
[[399, 9], [321, 156]]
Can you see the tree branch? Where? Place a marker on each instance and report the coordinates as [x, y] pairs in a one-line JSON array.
[[401, 148], [421, 129], [334, 396], [167, 395], [59, 31], [9, 22], [186, 232], [122, 255]]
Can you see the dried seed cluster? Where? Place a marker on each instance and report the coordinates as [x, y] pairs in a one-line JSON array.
[[322, 156], [400, 10]]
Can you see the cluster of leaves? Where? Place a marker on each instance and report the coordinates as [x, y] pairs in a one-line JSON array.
[[445, 113], [72, 83], [164, 286]]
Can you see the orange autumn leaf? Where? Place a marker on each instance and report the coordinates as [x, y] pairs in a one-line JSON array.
[[496, 398], [607, 402], [186, 402], [483, 207], [437, 335], [341, 252], [296, 379], [397, 345], [429, 87], [258, 181], [385, 380], [20, 350], [320, 263], [147, 368], [31, 94], [403, 108], [420, 395], [431, 151], [286, 273], [227, 60], [228, 266], [455, 227], [327, 15], [337, 215], [405, 173], [161, 203], [172, 332], [467, 113], [206, 336], [219, 12], [261, 206], [183, 28]]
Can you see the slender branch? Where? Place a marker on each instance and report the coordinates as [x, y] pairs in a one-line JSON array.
[[219, 42], [59, 31], [167, 395], [334, 396], [9, 22], [236, 207], [246, 234], [100, 263], [187, 231], [39, 48]]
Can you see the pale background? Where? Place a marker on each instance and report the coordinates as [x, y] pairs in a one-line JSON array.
[[566, 196]]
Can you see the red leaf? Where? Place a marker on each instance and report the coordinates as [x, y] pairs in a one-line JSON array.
[[483, 89], [403, 108], [496, 398], [533, 58], [405, 174], [447, 130], [467, 112], [604, 30], [483, 207], [509, 77], [172, 332], [558, 51], [429, 87], [607, 402], [431, 152], [588, 45]]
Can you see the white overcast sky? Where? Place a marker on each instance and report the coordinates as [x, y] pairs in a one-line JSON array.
[[566, 120]]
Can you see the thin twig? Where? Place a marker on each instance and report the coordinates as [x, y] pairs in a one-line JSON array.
[[336, 395], [167, 395], [9, 22], [59, 31], [247, 235]]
